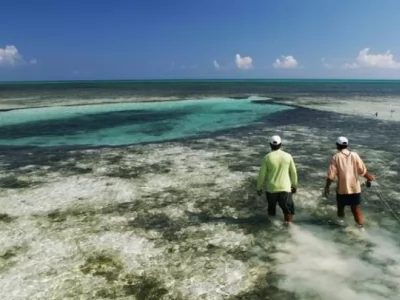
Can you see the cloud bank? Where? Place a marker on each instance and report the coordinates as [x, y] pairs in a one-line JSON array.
[[285, 62], [244, 62], [10, 56], [367, 60]]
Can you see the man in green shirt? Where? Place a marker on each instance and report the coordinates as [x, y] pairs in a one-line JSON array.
[[279, 172]]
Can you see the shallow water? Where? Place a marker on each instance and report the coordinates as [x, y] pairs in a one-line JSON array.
[[129, 123], [181, 219]]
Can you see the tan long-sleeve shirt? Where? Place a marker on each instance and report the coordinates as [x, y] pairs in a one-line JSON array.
[[347, 166]]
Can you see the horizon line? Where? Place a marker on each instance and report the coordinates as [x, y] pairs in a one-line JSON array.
[[196, 79]]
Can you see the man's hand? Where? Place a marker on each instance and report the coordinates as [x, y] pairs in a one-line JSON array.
[[294, 190], [326, 191], [259, 193], [369, 177], [327, 186]]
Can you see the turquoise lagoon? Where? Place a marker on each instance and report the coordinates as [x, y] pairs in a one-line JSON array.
[[128, 123]]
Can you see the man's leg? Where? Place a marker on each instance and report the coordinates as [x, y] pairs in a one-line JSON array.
[[355, 201], [340, 203], [271, 199], [358, 217], [287, 205]]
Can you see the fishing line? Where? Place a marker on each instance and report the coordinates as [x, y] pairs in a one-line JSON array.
[[383, 174], [382, 199]]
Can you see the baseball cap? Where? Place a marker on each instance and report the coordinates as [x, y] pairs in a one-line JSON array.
[[275, 140], [342, 141]]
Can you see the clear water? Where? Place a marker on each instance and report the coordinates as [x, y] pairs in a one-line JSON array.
[[182, 220], [127, 123]]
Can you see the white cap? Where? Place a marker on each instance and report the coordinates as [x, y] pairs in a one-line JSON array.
[[275, 140], [341, 140]]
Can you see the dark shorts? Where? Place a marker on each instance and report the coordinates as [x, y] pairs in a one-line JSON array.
[[284, 200], [348, 199]]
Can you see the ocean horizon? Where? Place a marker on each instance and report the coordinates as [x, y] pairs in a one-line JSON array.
[[209, 79]]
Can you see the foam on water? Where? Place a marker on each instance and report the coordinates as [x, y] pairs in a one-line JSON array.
[[315, 267], [127, 123]]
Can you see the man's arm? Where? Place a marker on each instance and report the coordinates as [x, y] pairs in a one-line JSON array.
[[293, 175], [261, 175], [362, 169], [332, 173], [328, 183]]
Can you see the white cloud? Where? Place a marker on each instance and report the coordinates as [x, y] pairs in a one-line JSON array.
[[351, 66], [367, 60], [325, 64], [10, 56], [216, 65], [244, 62], [285, 62]]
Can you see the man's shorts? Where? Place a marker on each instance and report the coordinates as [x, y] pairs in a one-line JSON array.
[[348, 199], [284, 200]]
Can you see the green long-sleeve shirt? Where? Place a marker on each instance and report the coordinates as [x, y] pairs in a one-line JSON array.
[[279, 170]]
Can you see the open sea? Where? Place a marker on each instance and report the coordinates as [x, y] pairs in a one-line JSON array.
[[147, 190]]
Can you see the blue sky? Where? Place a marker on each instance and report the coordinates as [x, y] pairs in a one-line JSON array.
[[122, 39]]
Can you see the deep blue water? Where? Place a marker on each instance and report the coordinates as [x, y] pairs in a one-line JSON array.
[[71, 90]]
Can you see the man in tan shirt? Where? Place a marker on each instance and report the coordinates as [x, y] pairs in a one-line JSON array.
[[347, 166]]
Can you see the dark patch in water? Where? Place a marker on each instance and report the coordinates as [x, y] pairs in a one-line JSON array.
[[160, 222], [111, 268], [84, 123], [266, 287], [58, 216], [101, 264], [233, 111], [143, 287], [140, 208], [155, 129], [136, 171], [80, 170], [7, 260], [6, 218], [12, 182], [243, 167], [9, 254], [148, 202], [114, 159]]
